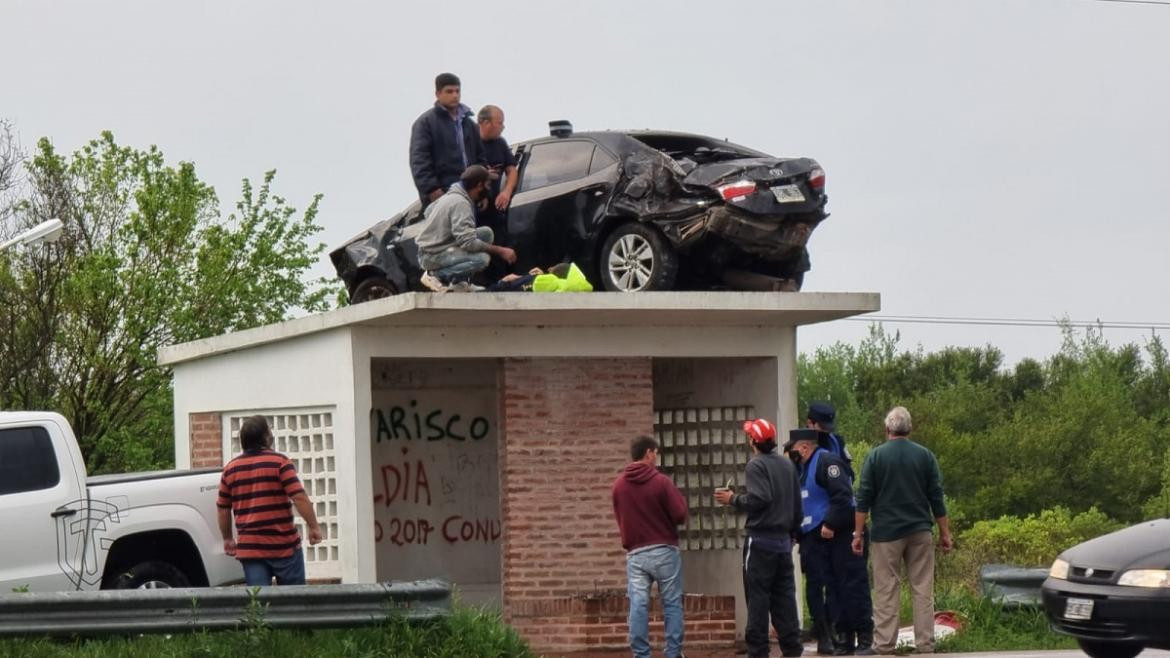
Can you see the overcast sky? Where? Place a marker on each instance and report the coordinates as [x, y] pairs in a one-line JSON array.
[[985, 158]]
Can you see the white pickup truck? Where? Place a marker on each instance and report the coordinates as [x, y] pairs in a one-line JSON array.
[[60, 530]]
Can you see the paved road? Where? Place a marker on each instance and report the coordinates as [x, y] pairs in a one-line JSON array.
[[1045, 654], [1150, 653]]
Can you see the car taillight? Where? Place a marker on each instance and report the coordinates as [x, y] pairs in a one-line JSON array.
[[736, 190], [817, 179]]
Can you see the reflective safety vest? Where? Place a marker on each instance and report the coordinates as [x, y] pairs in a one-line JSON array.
[[574, 281], [813, 496]]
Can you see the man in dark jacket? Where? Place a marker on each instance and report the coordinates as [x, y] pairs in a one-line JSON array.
[[649, 508], [822, 417], [836, 582], [901, 486], [772, 503], [444, 141]]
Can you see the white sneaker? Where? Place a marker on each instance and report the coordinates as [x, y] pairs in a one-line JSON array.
[[465, 286], [432, 282]]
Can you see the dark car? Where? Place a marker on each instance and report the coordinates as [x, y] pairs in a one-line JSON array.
[[1112, 593], [638, 210]]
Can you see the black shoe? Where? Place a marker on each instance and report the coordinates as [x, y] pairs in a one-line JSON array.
[[824, 637], [843, 643], [865, 643]]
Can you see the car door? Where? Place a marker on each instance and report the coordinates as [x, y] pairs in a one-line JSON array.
[[558, 200], [40, 497]]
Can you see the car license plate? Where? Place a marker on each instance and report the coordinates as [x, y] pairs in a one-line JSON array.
[[787, 194], [1078, 609]]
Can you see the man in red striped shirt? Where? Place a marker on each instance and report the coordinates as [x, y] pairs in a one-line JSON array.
[[260, 487]]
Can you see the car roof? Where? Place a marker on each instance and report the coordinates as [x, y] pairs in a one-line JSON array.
[[620, 140]]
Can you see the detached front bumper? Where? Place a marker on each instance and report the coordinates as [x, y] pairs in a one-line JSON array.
[[1122, 614]]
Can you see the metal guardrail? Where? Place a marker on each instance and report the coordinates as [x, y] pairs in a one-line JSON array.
[[1012, 586], [220, 608]]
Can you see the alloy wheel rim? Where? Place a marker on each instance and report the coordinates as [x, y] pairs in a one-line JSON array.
[[631, 262], [155, 584]]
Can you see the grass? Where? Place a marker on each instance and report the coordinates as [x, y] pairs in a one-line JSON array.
[[467, 632], [988, 626]]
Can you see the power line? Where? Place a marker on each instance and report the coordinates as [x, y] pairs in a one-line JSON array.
[[1007, 322]]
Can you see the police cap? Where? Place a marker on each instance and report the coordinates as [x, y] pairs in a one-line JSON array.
[[823, 414], [801, 434]]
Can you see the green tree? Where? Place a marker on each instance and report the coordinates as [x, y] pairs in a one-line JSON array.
[[146, 261]]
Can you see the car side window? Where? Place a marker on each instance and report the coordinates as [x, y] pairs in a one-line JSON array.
[[601, 160], [27, 461], [556, 162]]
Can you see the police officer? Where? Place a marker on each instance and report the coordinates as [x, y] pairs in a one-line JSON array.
[[822, 417], [836, 582]]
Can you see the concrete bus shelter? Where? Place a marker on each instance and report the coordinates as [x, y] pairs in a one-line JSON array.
[[476, 437]]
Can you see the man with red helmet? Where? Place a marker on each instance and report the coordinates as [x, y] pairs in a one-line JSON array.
[[773, 507]]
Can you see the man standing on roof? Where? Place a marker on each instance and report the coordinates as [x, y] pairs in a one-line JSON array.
[[773, 507], [501, 164], [444, 141], [259, 488], [498, 156]]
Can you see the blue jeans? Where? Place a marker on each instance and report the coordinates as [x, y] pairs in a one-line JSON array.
[[661, 564], [454, 264], [287, 570]]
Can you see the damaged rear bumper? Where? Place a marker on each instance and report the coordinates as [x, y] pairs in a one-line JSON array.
[[771, 239]]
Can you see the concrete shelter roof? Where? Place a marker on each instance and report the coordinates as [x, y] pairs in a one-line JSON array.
[[592, 309]]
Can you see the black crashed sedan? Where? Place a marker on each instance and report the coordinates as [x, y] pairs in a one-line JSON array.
[[1112, 593], [635, 210]]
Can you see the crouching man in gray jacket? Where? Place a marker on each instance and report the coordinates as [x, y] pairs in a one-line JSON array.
[[450, 247], [774, 510]]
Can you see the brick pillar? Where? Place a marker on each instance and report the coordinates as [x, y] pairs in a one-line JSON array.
[[206, 440], [565, 431]]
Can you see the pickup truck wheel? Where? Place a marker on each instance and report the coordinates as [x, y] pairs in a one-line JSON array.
[[373, 287], [153, 574], [637, 257], [1098, 649]]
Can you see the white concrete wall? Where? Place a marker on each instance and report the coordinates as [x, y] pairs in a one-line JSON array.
[[436, 494], [314, 370]]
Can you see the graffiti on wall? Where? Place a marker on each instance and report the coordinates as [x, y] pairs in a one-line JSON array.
[[406, 483], [435, 482]]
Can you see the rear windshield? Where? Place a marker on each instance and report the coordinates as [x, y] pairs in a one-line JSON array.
[[696, 148]]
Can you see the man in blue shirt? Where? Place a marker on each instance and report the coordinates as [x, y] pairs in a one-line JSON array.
[[444, 141], [501, 163]]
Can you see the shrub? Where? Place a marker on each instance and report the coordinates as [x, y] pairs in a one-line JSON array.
[[1032, 541]]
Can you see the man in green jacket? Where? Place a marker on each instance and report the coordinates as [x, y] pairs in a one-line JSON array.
[[901, 488]]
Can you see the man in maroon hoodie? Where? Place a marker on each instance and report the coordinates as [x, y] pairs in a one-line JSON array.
[[649, 509]]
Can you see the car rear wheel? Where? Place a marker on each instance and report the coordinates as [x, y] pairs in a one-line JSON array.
[[637, 257], [1099, 649], [373, 287]]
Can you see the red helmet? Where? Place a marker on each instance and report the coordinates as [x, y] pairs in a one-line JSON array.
[[760, 430]]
